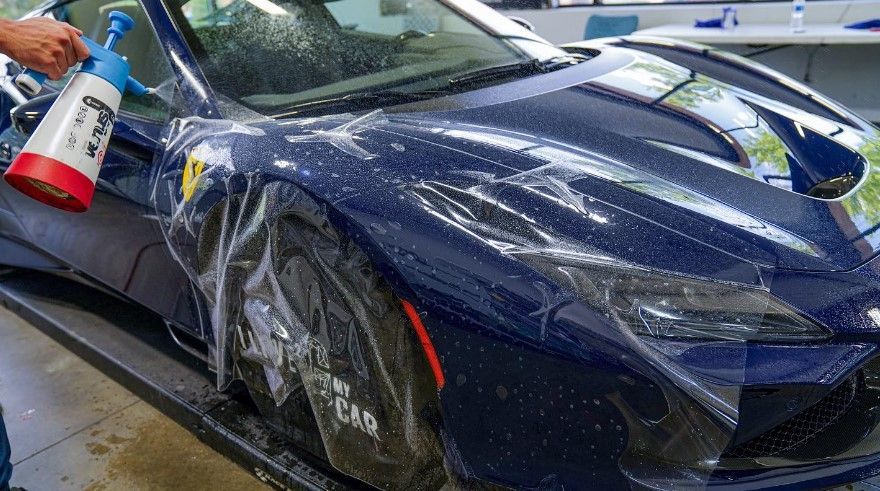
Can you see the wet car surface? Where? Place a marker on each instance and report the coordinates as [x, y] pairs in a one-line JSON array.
[[464, 255]]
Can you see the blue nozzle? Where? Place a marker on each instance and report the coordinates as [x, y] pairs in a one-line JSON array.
[[135, 87], [119, 25]]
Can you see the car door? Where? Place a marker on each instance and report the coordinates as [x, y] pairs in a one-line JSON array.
[[118, 240]]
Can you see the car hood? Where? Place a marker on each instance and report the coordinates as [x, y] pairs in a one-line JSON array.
[[651, 161]]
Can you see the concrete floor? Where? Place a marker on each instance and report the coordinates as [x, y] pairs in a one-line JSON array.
[[71, 427]]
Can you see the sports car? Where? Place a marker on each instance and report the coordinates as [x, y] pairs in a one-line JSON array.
[[440, 251]]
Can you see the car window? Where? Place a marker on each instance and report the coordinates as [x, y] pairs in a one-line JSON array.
[[272, 55], [140, 46]]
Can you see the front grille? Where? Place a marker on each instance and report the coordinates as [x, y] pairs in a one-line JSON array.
[[804, 426]]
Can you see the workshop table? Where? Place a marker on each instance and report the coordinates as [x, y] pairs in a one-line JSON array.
[[764, 34]]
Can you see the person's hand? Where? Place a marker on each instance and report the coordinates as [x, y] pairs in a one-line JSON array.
[[43, 44]]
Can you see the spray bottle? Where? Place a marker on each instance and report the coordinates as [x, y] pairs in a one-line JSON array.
[[59, 164]]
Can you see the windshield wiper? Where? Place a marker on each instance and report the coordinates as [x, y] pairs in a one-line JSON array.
[[360, 100], [498, 72], [530, 67], [380, 98]]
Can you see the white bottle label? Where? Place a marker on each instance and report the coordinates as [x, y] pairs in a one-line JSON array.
[[77, 128]]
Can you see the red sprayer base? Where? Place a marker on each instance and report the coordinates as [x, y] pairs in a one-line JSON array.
[[50, 181]]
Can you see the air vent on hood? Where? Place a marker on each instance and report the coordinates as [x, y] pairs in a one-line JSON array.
[[818, 165], [786, 154]]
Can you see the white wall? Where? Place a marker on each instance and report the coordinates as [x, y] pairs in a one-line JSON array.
[[566, 24], [848, 74]]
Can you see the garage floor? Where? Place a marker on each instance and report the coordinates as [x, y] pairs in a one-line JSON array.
[[71, 427]]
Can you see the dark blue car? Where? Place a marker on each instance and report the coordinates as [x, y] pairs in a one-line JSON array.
[[441, 252]]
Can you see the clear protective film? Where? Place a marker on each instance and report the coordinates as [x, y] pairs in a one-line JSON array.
[[301, 313], [297, 312], [683, 336], [679, 445]]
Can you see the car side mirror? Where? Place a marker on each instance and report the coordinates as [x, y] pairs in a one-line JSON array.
[[519, 20], [26, 117]]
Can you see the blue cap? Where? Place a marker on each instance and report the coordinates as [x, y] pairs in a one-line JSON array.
[[106, 64]]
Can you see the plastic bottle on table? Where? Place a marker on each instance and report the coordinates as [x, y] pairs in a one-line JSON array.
[[728, 18], [797, 15]]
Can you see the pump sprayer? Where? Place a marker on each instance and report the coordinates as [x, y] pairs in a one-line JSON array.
[[59, 164]]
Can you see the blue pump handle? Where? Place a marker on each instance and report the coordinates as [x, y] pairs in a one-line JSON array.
[[120, 23]]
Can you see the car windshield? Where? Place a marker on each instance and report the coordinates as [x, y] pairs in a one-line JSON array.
[[288, 58]]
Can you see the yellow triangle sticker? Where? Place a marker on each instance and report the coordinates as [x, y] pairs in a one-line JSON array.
[[191, 172]]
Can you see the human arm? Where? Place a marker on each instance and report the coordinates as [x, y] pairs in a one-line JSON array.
[[43, 44]]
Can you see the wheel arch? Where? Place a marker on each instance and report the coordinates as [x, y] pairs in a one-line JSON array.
[[284, 199], [255, 305]]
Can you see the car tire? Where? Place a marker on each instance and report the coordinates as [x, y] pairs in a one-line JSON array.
[[332, 287]]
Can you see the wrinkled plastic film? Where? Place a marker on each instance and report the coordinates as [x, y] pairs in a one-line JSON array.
[[343, 137], [297, 309], [296, 303], [661, 339], [679, 449]]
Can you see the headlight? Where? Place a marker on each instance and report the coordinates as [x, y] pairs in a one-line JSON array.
[[650, 303], [667, 306]]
